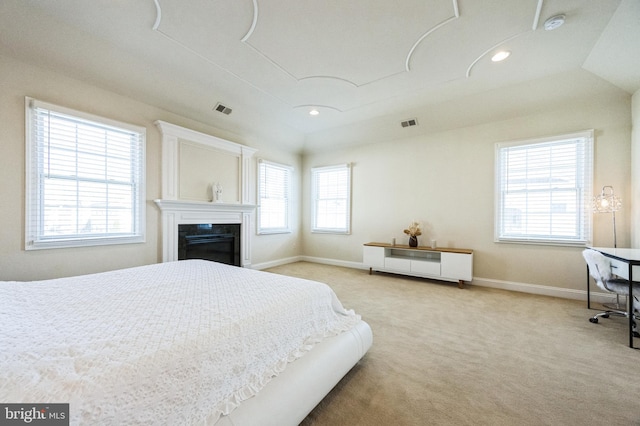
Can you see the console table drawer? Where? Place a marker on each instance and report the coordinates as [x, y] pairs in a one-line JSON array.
[[397, 263], [425, 267]]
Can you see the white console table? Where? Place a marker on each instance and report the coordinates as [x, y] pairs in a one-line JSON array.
[[447, 264]]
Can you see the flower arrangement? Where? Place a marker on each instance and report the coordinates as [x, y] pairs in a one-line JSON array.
[[413, 230]]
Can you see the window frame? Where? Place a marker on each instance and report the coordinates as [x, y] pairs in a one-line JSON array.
[[583, 189], [287, 198], [315, 228], [34, 195]]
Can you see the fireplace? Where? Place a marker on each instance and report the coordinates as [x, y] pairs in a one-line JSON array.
[[177, 213], [186, 197], [216, 242]]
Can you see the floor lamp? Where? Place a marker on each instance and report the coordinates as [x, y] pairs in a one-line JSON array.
[[607, 202]]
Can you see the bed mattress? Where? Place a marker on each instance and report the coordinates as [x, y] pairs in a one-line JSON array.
[[174, 343]]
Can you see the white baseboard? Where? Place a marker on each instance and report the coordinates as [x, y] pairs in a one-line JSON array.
[[565, 293], [274, 263], [334, 262]]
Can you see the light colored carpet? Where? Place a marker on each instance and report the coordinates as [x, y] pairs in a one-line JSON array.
[[476, 356]]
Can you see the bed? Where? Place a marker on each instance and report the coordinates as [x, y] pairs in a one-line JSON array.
[[187, 342]]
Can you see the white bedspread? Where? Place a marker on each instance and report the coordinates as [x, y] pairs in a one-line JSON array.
[[175, 343]]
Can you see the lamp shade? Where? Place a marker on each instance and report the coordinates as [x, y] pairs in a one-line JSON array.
[[606, 201]]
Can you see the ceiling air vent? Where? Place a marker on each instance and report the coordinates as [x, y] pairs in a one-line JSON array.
[[223, 109], [410, 122]]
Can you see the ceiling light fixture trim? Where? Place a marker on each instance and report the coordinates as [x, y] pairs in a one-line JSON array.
[[501, 55], [309, 107], [492, 48]]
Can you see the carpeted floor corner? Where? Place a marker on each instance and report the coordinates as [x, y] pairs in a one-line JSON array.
[[476, 356]]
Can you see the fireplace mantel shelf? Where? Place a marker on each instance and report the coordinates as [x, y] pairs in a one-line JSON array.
[[201, 206]]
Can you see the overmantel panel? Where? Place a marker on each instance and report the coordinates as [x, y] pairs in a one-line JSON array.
[[174, 136], [201, 166]]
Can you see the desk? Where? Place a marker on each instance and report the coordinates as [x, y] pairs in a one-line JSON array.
[[624, 262]]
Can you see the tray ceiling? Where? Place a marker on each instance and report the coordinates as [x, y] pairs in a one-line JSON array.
[[274, 61]]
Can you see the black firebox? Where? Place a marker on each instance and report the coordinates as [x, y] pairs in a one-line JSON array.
[[219, 243]]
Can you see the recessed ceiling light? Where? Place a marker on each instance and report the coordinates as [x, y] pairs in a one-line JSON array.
[[554, 22], [500, 56], [314, 112]]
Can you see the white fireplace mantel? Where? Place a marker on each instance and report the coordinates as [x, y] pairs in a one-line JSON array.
[[175, 213]]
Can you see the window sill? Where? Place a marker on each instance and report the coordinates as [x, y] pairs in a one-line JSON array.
[[88, 242]]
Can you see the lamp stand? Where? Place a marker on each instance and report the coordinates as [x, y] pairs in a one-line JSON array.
[[615, 241], [617, 306], [607, 202]]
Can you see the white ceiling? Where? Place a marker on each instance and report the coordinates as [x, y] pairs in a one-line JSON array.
[[365, 65]]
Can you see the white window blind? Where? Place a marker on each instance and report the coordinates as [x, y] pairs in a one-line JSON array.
[[331, 192], [85, 179], [274, 192], [544, 189]]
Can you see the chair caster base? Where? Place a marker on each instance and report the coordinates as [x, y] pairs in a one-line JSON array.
[[593, 320]]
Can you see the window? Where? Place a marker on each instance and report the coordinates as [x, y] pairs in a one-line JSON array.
[[543, 190], [85, 179], [331, 192], [274, 192]]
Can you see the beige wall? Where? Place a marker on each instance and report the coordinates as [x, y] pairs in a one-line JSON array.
[[446, 181], [18, 80]]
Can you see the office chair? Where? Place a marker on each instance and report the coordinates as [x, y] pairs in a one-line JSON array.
[[600, 270]]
